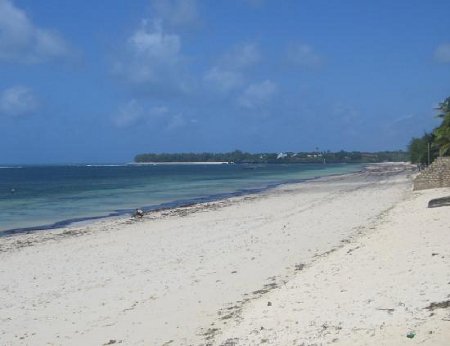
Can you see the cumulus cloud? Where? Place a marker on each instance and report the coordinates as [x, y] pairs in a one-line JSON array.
[[224, 80], [303, 55], [153, 60], [18, 101], [442, 53], [228, 73], [154, 44], [177, 13], [23, 42], [258, 95], [133, 113]]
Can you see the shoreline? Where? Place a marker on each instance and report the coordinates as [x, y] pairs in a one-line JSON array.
[[83, 225], [126, 213], [205, 274], [181, 163], [178, 276]]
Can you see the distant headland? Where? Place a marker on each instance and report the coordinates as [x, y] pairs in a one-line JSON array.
[[238, 156]]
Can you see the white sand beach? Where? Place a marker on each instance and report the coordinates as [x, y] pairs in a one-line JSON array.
[[353, 259]]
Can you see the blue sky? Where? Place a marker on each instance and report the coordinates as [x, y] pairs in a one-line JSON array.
[[100, 81]]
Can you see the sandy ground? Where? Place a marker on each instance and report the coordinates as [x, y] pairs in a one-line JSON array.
[[350, 259], [391, 281]]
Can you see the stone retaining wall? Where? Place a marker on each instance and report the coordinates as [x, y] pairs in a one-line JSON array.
[[435, 175]]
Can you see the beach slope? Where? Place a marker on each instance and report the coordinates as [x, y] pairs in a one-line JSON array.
[[329, 260], [388, 286]]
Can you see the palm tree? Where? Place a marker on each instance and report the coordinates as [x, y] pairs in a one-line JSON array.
[[442, 133]]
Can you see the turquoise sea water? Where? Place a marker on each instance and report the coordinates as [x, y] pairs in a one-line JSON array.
[[42, 197]]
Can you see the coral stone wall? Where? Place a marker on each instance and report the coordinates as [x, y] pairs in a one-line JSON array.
[[436, 175]]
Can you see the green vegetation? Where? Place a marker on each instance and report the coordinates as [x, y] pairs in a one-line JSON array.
[[435, 143], [238, 156], [421, 150], [442, 133], [418, 149]]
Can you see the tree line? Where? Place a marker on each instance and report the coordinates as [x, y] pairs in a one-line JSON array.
[[425, 149], [422, 150], [239, 156]]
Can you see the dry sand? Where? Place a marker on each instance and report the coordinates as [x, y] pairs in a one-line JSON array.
[[354, 259]]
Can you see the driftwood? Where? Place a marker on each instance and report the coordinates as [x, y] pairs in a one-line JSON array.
[[439, 202]]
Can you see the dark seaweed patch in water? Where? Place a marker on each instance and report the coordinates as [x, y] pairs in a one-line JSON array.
[[59, 185], [159, 207]]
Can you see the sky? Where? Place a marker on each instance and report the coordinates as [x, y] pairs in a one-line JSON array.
[[101, 81]]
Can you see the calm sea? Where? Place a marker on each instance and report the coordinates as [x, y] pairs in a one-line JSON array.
[[43, 197]]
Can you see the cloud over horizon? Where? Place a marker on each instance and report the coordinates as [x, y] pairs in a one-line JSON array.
[[134, 113], [23, 42], [18, 101], [228, 73], [177, 13], [258, 95], [153, 61], [196, 75]]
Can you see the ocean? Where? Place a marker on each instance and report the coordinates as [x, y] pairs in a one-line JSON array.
[[44, 197]]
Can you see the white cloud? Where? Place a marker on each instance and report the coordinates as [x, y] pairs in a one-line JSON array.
[[303, 55], [154, 44], [223, 80], [133, 113], [18, 101], [23, 42], [228, 74], [258, 95], [153, 61], [157, 112], [177, 12], [442, 53]]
